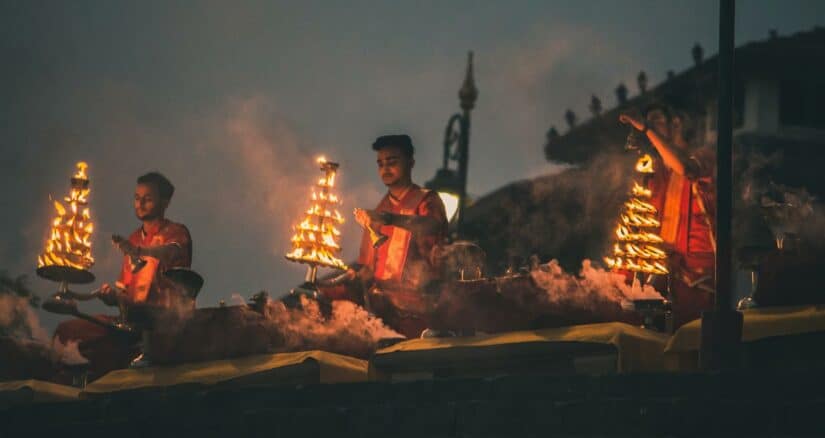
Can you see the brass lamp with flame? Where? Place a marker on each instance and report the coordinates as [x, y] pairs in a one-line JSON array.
[[636, 248], [67, 256], [315, 242]]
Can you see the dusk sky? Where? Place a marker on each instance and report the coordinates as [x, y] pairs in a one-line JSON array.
[[233, 100]]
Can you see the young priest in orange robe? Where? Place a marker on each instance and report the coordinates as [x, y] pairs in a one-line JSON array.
[[683, 193], [399, 275]]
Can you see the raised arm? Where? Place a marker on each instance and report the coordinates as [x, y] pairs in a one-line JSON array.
[[165, 253], [674, 158]]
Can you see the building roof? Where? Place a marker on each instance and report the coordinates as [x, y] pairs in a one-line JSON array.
[[794, 56]]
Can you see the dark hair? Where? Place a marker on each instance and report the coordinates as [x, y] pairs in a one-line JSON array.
[[402, 142], [675, 105], [164, 186], [658, 106], [678, 107]]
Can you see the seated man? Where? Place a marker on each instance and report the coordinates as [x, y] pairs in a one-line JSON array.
[[398, 273], [156, 246]]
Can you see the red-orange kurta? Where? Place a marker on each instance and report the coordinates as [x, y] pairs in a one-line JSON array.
[[403, 266], [146, 284], [686, 207]]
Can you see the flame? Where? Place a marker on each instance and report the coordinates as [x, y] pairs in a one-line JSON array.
[[641, 191], [640, 206], [645, 164], [81, 170], [645, 252], [624, 234], [637, 265], [635, 220], [69, 242]]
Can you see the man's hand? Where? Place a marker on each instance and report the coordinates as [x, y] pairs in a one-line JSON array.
[[125, 246], [351, 274], [632, 121], [369, 218], [109, 294]]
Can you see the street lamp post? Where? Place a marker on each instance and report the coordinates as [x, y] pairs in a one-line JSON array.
[[451, 184]]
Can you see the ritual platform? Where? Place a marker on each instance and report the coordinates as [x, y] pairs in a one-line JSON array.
[[604, 348], [605, 379]]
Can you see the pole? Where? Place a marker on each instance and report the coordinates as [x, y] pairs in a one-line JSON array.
[[463, 159], [467, 95], [724, 170], [722, 327]]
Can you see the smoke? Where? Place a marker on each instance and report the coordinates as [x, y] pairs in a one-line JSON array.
[[241, 330], [591, 286], [349, 330], [19, 321], [547, 296], [568, 216], [67, 353], [768, 209]]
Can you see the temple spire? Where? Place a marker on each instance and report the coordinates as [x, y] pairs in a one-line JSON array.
[[468, 92]]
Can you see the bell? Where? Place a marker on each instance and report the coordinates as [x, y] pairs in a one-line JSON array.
[[376, 237], [636, 141], [137, 263]]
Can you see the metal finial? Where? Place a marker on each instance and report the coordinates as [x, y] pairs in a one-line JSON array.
[[468, 92]]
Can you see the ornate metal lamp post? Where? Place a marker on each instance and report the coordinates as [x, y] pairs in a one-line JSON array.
[[451, 184]]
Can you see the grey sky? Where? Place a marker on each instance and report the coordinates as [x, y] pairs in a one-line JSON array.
[[233, 99]]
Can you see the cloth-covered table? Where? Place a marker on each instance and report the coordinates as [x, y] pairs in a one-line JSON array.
[[34, 391], [590, 348], [760, 324], [281, 368]]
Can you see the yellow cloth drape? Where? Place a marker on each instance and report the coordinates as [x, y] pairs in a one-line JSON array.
[[682, 349], [638, 349], [33, 391], [332, 368]]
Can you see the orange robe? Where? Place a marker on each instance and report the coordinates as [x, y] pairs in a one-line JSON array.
[[686, 207], [107, 351], [146, 285], [402, 268]]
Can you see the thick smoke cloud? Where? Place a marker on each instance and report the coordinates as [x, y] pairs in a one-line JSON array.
[[569, 216], [20, 323], [590, 286], [272, 327]]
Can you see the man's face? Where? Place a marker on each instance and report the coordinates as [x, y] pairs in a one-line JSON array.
[[393, 166], [657, 121], [148, 204]]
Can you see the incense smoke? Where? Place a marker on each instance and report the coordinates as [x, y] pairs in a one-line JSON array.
[[766, 208], [20, 322], [272, 327], [18, 319], [590, 286], [568, 216], [350, 329]]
